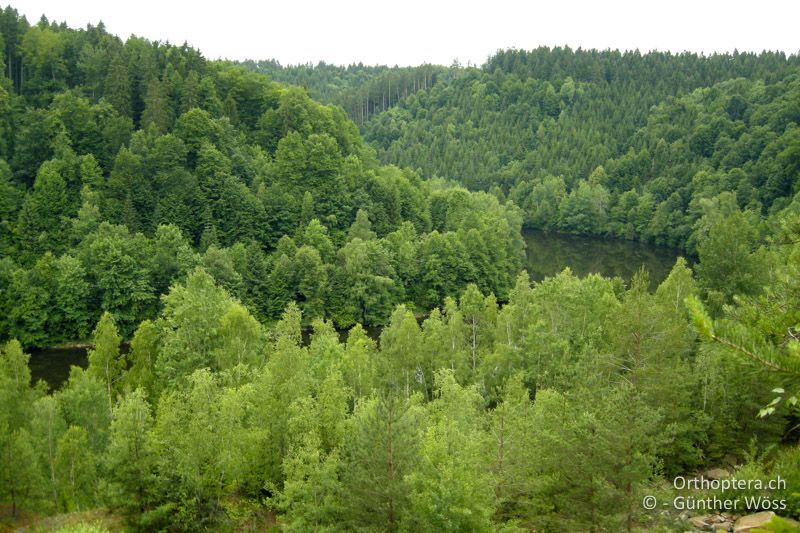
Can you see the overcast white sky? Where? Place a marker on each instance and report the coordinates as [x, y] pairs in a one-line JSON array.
[[410, 32]]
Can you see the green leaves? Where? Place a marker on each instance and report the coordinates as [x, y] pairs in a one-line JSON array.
[[105, 363], [129, 459]]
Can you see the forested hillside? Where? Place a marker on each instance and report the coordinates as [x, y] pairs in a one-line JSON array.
[[361, 90], [116, 185], [606, 143], [226, 244]]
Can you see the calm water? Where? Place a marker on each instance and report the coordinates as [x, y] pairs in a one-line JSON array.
[[550, 253], [52, 364], [547, 254]]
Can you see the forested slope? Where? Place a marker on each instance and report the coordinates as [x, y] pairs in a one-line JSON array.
[[362, 90], [208, 216], [607, 143], [116, 185]]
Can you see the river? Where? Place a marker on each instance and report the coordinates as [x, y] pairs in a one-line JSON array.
[[52, 364], [547, 255]]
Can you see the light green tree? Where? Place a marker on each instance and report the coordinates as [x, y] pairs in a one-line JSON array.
[[129, 458], [105, 363], [76, 470], [47, 426], [361, 228], [240, 338], [450, 491], [84, 403], [400, 351], [359, 363], [22, 481], [471, 306], [142, 356]]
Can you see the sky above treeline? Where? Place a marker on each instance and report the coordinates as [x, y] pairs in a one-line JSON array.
[[413, 32]]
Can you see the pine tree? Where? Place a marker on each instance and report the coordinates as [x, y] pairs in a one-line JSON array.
[[383, 448], [611, 434], [511, 454]]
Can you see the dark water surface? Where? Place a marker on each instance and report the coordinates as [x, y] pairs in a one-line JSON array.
[[550, 253], [547, 255], [52, 364]]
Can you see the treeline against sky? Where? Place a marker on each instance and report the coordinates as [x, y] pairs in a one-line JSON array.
[[115, 186], [212, 218], [361, 90], [606, 143]]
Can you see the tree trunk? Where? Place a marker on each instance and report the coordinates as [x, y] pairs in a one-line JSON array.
[[474, 343], [390, 467]]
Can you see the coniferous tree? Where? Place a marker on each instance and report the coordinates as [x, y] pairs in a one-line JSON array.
[[382, 450], [118, 85]]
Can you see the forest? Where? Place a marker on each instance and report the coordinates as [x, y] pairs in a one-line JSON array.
[[303, 294]]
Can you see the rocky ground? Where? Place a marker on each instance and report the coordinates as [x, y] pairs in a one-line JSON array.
[[738, 524]]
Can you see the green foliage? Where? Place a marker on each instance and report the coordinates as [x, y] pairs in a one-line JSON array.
[[209, 216], [40, 226], [84, 402], [613, 436], [728, 265], [600, 142], [23, 482], [142, 155], [382, 450], [129, 458], [105, 363], [192, 329], [142, 356], [510, 454], [361, 228], [449, 490], [759, 331], [75, 466]]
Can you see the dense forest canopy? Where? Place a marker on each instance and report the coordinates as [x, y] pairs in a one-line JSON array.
[[361, 90], [606, 143], [117, 185], [221, 241]]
